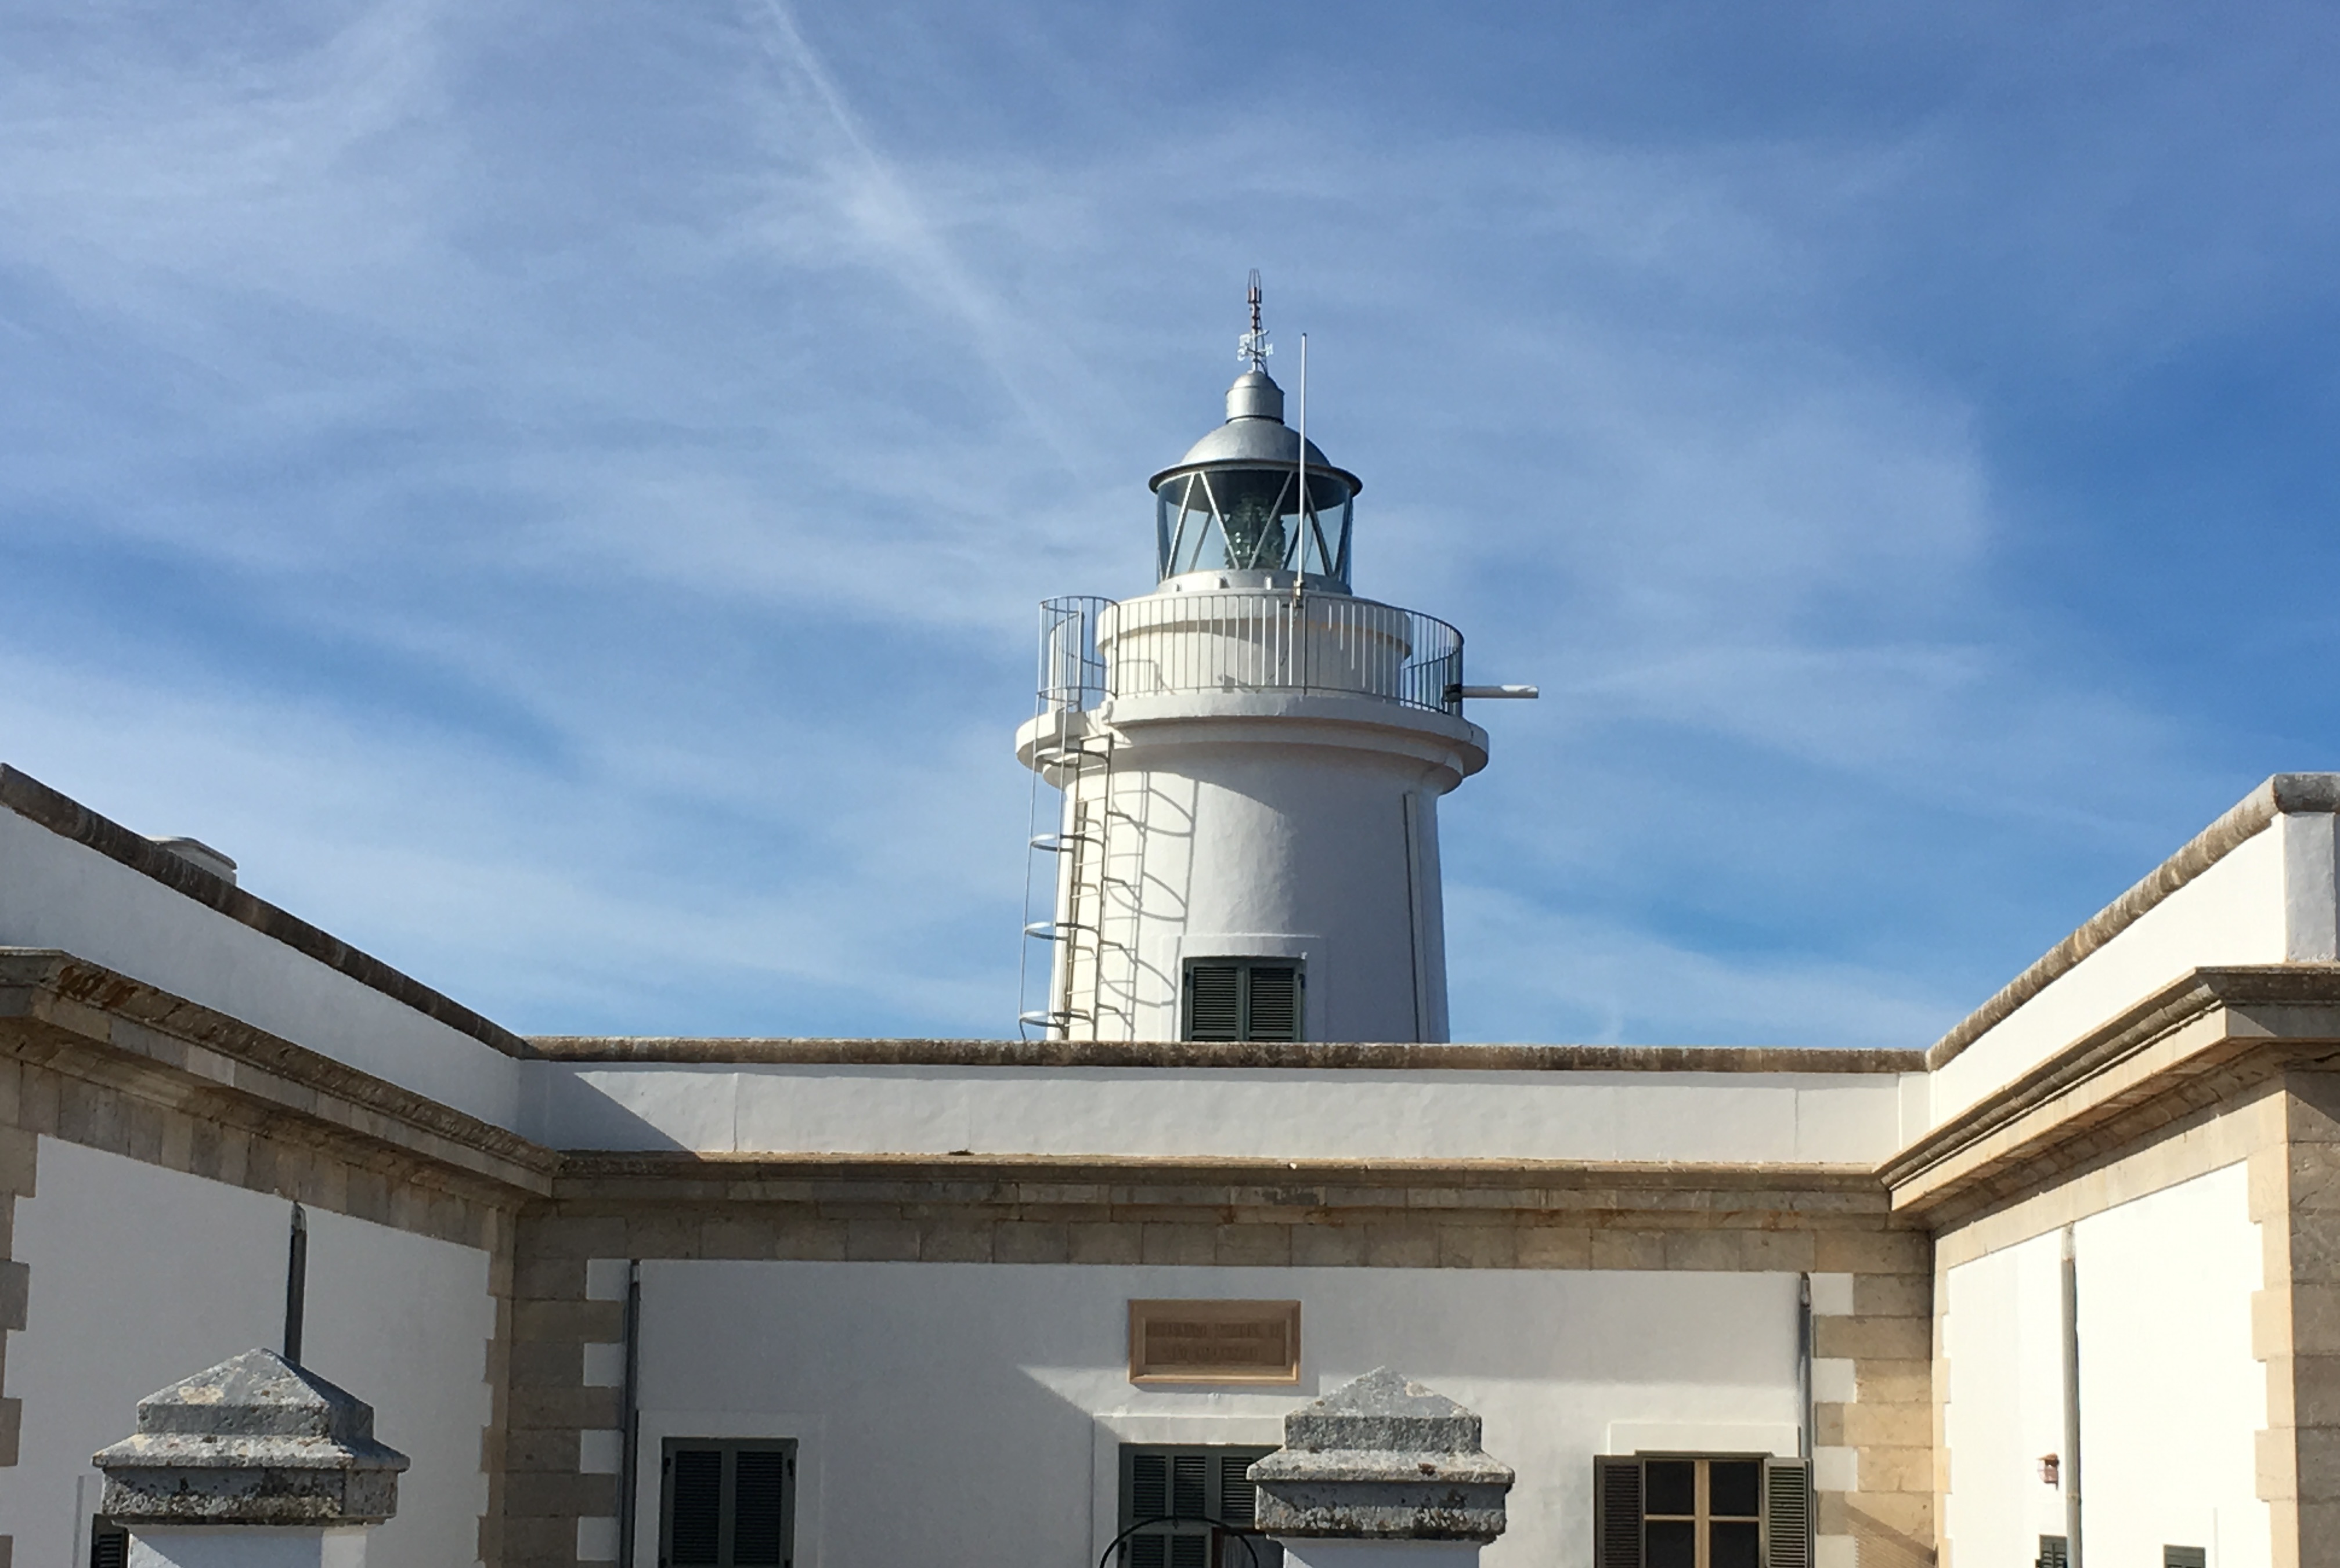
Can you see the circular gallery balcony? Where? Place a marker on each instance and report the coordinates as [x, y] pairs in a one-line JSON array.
[[1265, 639]]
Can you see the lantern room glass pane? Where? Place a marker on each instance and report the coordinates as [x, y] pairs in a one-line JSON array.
[[1247, 519]]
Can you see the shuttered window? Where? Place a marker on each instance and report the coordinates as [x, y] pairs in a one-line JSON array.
[[2054, 1553], [727, 1503], [1190, 1507], [1244, 999], [1702, 1511], [109, 1544], [2184, 1557]]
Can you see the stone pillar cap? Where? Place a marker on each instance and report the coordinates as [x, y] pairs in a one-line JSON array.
[[1382, 1458], [254, 1439]]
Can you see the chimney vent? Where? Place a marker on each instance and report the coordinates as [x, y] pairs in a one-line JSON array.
[[197, 853]]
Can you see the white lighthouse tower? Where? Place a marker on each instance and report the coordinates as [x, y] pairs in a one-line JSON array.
[[1251, 759]]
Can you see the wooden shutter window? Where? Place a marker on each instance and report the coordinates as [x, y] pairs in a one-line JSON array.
[[1243, 999], [1190, 1494], [1238, 1498], [2184, 1557], [1274, 1004], [2054, 1553], [1617, 1514], [695, 1509], [1214, 1002], [1191, 1506], [1786, 1514], [1712, 1507], [759, 1508], [109, 1545], [1149, 1486], [728, 1503]]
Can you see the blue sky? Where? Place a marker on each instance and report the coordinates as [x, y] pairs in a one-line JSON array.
[[559, 491]]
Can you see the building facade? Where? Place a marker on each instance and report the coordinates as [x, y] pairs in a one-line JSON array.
[[2066, 1284]]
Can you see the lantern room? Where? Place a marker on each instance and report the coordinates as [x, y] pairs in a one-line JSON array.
[[1246, 499]]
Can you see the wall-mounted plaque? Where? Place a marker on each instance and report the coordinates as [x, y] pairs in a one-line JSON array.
[[1213, 1342]]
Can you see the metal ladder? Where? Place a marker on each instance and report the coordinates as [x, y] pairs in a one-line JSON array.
[[1081, 843]]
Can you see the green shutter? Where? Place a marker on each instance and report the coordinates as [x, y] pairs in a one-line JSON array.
[[1148, 1487], [1243, 999], [727, 1503], [1274, 1004], [1214, 1002], [1238, 1498], [694, 1508], [1202, 1503], [1617, 1514], [760, 1493], [1786, 1514]]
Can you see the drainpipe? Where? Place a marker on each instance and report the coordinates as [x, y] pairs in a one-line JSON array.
[[2071, 1459], [629, 1418], [1806, 1417]]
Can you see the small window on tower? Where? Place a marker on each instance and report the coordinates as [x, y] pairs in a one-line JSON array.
[[1244, 999]]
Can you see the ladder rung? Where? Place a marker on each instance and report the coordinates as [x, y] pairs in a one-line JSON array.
[[1054, 843]]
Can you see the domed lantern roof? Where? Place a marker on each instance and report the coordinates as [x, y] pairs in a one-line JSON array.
[[1232, 503]]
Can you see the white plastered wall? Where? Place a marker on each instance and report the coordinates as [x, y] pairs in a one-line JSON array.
[[140, 1276], [951, 1413], [2269, 900], [1852, 1118], [56, 893], [2171, 1398]]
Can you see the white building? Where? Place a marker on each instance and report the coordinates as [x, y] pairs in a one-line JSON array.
[[853, 1304]]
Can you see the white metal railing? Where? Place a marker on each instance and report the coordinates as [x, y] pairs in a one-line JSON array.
[[1178, 643]]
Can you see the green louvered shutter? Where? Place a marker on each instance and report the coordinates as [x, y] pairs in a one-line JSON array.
[[694, 1508], [1273, 1008], [727, 1503], [1203, 1505], [1214, 1001], [1238, 1498], [1786, 1514], [1617, 1514]]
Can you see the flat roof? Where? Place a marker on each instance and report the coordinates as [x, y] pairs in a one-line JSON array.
[[1314, 1055], [2307, 793]]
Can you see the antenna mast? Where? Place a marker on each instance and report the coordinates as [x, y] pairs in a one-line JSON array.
[[1254, 344]]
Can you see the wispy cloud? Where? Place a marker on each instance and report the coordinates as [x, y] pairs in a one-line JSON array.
[[578, 479]]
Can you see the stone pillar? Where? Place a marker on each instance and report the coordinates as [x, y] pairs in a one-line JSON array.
[[1383, 1474], [255, 1463]]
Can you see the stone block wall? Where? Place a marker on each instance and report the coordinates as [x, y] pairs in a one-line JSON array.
[[1872, 1286], [2295, 1198], [1873, 1399], [60, 1084]]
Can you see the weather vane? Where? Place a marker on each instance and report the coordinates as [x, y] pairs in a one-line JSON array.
[[1254, 344]]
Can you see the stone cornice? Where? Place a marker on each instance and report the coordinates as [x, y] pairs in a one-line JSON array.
[[1232, 1183], [2205, 1038], [35, 802], [92, 1022], [2284, 792], [1190, 1054]]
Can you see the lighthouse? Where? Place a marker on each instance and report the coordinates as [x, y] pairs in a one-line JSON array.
[[1249, 760]]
